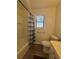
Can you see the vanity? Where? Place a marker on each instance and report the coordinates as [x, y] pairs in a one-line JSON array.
[[55, 50]]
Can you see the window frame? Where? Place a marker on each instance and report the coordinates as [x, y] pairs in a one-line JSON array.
[[36, 22]]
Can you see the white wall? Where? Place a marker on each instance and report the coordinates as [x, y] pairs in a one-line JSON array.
[[49, 25], [22, 41], [58, 21]]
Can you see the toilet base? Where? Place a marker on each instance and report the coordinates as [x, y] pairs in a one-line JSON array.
[[46, 49]]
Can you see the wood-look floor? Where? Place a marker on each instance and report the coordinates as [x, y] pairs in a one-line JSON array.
[[36, 52]]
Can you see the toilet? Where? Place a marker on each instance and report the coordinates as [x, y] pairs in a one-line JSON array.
[[46, 44]]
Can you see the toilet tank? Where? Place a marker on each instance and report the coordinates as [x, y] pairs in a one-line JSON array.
[[54, 37]]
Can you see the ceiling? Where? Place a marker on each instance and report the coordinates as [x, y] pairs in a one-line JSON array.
[[41, 3], [44, 3]]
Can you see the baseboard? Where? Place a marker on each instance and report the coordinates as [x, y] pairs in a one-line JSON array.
[[22, 51]]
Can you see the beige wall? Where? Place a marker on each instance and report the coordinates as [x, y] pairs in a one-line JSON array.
[[58, 21], [21, 30], [49, 25]]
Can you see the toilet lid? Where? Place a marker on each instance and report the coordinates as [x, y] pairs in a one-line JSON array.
[[46, 43]]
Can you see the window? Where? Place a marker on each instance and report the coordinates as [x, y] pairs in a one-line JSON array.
[[39, 21]]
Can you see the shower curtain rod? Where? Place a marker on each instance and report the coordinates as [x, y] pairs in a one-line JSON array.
[[25, 7]]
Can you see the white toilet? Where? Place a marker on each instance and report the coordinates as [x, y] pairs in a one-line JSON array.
[[46, 44]]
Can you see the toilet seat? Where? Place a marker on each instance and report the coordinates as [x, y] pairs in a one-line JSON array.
[[46, 43]]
